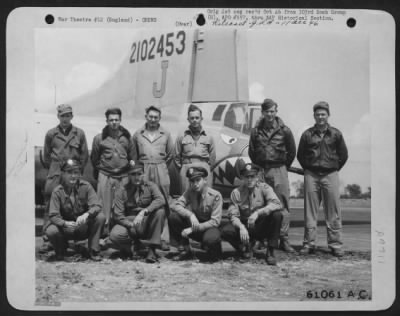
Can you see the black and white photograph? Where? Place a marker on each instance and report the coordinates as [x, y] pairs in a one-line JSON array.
[[169, 158]]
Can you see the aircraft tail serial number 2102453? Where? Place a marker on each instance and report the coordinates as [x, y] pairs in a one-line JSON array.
[[166, 44]]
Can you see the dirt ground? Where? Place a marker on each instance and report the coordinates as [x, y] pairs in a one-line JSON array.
[[296, 278]]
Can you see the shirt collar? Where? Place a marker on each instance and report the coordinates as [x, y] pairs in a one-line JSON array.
[[141, 186], [202, 193], [189, 132], [244, 188], [273, 126], [67, 130], [74, 190], [159, 129], [315, 130]]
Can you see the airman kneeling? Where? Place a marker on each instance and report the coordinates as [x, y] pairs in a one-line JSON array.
[[254, 214], [139, 213], [197, 215], [74, 212]]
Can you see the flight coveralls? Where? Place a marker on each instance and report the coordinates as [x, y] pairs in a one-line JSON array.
[[64, 207], [194, 151], [155, 154], [244, 203], [274, 150], [110, 158], [58, 147], [129, 201], [207, 207], [322, 155]]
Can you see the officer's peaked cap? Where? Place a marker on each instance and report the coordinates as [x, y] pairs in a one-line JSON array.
[[195, 172], [70, 164], [249, 169]]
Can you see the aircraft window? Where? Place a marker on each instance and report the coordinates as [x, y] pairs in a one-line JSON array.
[[247, 126], [218, 112], [255, 117], [235, 117]]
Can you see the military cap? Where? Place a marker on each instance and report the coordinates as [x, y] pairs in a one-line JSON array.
[[135, 167], [267, 104], [249, 169], [322, 105], [192, 108], [63, 109], [70, 164], [153, 108], [195, 172]]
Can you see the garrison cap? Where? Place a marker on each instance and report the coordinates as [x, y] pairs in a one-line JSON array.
[[249, 169], [192, 108], [195, 172], [70, 164], [63, 109], [153, 108], [135, 167], [267, 104], [322, 105]]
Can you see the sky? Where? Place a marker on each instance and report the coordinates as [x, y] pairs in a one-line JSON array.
[[70, 62], [296, 69]]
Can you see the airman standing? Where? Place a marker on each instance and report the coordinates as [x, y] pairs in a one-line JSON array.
[[322, 153], [273, 148], [111, 154], [153, 146], [62, 142], [194, 148]]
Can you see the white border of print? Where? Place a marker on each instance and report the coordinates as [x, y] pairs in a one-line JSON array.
[[20, 171]]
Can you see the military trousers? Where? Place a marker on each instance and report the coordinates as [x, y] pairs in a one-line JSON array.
[[50, 184], [210, 239], [106, 187], [325, 189], [158, 173], [90, 230], [278, 179], [266, 226], [150, 230]]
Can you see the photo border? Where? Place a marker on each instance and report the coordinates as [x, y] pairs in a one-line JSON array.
[[5, 235]]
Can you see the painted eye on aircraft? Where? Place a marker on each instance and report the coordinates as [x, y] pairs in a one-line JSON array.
[[228, 139]]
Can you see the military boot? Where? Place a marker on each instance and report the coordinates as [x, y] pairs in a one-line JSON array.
[[270, 257], [285, 246]]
